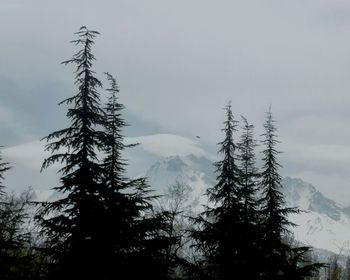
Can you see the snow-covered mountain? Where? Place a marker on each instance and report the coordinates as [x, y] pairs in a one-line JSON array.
[[322, 224], [166, 159], [195, 171], [305, 196]]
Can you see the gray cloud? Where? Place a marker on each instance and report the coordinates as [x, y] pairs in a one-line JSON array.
[[179, 62]]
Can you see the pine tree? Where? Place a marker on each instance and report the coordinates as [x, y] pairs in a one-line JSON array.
[[103, 224], [249, 173], [114, 165], [132, 232], [280, 259], [219, 226], [274, 213], [72, 221], [251, 239], [226, 192], [118, 211]]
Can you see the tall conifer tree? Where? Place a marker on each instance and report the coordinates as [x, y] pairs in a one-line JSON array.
[[218, 236], [71, 222], [280, 259], [114, 165], [274, 212], [132, 232], [119, 210], [249, 173], [250, 252]]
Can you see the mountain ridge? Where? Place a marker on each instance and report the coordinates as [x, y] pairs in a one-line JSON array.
[[167, 158], [322, 224]]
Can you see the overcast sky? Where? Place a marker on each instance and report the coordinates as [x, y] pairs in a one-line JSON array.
[[179, 62]]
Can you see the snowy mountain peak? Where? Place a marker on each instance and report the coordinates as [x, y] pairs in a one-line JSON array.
[[166, 159], [195, 171], [324, 224], [297, 193], [305, 196]]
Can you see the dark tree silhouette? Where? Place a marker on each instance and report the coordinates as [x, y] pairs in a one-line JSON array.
[[114, 165], [249, 173], [133, 232], [218, 236], [250, 251], [280, 259], [103, 224], [72, 221]]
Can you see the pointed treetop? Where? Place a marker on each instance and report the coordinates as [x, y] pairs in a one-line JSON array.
[[83, 31], [113, 83]]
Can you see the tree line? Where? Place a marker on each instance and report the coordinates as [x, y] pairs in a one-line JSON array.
[[105, 225]]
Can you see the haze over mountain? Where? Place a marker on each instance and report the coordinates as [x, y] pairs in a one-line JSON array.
[[322, 224], [165, 159]]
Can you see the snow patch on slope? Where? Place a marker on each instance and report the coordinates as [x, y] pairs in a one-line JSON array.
[[321, 231], [197, 172], [167, 158], [323, 223]]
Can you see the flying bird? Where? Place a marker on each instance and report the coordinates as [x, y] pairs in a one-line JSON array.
[[197, 137]]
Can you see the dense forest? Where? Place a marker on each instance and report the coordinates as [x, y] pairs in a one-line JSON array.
[[105, 225]]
